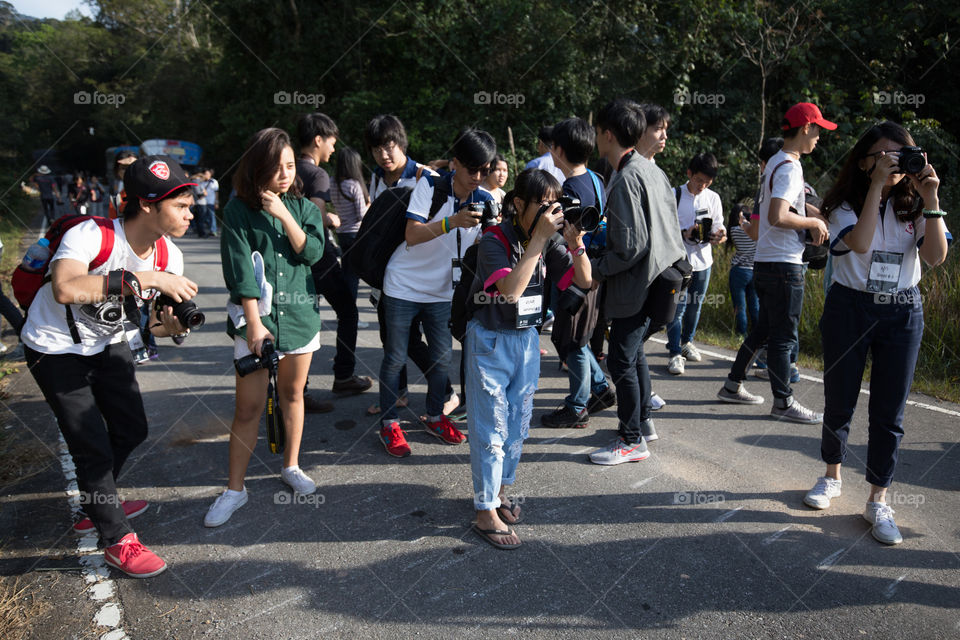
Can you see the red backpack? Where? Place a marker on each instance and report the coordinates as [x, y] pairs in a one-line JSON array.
[[27, 283]]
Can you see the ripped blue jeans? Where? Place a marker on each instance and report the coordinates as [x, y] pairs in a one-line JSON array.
[[502, 369]]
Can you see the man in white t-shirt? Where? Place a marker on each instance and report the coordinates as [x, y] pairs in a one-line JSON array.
[[701, 220], [74, 347], [420, 278], [778, 273]]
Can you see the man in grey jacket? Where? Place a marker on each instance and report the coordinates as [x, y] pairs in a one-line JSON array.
[[643, 239]]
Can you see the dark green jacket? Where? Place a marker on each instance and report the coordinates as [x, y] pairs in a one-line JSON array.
[[293, 320]]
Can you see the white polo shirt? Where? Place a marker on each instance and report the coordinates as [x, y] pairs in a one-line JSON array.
[[424, 272], [691, 208], [891, 237], [775, 244]]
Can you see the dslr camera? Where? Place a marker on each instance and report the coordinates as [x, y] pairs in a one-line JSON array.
[[186, 312], [911, 160], [489, 210], [268, 359], [583, 218], [701, 231]]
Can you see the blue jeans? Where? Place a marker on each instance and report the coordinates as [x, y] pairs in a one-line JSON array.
[[502, 368], [586, 376], [435, 319], [684, 326], [210, 216], [630, 373], [779, 287], [745, 302], [854, 324]]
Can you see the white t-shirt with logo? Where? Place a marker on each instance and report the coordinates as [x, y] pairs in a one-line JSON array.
[[691, 208], [892, 236], [776, 244], [46, 329], [424, 272]]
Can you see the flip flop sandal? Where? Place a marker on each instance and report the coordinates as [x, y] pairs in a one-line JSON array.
[[511, 509], [486, 533]]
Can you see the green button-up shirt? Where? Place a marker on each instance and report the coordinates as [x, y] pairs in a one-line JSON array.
[[293, 320]]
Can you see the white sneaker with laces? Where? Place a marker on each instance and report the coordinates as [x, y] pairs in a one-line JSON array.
[[676, 365], [798, 413], [298, 480], [690, 352], [819, 496], [884, 528], [656, 402], [619, 452], [224, 506]]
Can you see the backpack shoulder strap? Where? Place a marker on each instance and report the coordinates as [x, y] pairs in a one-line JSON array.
[[498, 232], [107, 237], [770, 185], [598, 192], [163, 254], [441, 192], [676, 190]]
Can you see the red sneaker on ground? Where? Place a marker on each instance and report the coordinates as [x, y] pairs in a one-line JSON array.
[[134, 559], [394, 441], [445, 430], [132, 508]]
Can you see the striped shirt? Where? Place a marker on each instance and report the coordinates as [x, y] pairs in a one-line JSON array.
[[350, 207], [746, 248]]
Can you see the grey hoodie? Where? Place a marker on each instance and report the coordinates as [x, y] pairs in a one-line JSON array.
[[643, 235]]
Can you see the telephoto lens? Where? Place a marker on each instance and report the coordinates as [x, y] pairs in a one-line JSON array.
[[585, 219]]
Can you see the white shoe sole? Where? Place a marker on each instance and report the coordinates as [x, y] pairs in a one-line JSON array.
[[818, 507], [759, 400], [613, 464], [796, 420], [214, 523]]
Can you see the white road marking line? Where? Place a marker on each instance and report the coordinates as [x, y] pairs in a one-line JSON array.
[[830, 560], [776, 536], [892, 589], [728, 515]]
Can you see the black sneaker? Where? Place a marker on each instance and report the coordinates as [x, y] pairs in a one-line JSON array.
[[352, 385], [598, 402], [312, 405], [565, 418]]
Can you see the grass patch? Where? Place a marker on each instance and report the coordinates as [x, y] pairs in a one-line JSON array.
[[938, 366], [19, 605]]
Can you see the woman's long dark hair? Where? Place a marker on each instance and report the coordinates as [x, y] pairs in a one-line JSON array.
[[259, 164], [532, 185], [853, 182], [350, 167]]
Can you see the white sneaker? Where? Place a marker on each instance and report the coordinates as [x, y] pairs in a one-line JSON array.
[[676, 365], [740, 396], [798, 413], [224, 506], [619, 452], [691, 353], [656, 402], [819, 496], [884, 528], [298, 480]]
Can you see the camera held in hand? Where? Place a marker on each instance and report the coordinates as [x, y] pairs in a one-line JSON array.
[[585, 219], [268, 359], [701, 230], [489, 211], [186, 312], [911, 160]]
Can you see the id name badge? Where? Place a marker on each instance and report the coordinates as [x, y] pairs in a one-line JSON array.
[[884, 272], [529, 311], [455, 271]]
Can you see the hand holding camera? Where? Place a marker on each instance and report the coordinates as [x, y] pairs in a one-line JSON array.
[[178, 288], [268, 359], [468, 216], [551, 221], [701, 230]]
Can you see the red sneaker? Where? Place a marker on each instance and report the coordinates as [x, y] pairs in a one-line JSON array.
[[134, 559], [445, 430], [394, 441], [132, 508]]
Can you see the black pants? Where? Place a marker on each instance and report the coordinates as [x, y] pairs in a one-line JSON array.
[[630, 373], [330, 282], [97, 402]]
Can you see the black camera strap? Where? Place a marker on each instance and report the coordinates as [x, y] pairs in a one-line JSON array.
[[276, 435]]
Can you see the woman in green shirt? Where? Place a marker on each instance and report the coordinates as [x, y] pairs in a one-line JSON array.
[[271, 236]]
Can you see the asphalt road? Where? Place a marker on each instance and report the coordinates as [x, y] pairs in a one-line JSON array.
[[708, 538]]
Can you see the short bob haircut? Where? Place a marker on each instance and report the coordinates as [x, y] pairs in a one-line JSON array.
[[259, 164], [625, 119], [532, 185], [576, 138], [474, 148], [705, 163]]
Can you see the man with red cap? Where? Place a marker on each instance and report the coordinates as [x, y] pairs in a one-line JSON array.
[[102, 272], [778, 271]]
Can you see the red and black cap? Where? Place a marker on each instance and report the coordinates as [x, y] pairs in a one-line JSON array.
[[153, 178]]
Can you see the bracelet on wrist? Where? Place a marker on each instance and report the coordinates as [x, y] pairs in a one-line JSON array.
[[444, 225], [933, 213]]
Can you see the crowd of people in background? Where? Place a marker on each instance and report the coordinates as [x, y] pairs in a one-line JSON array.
[[495, 267]]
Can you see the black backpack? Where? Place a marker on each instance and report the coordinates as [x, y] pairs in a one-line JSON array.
[[383, 230]]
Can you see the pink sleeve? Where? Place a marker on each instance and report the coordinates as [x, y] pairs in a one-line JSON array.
[[496, 275], [565, 280]]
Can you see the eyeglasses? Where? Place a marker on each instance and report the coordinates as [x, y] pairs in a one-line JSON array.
[[483, 171], [386, 148]]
